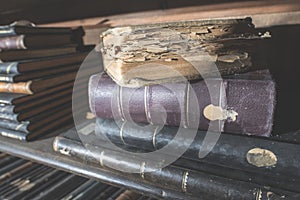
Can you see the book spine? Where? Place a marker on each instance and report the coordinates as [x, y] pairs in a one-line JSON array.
[[233, 105], [11, 125], [7, 108], [9, 116], [152, 138], [20, 88], [13, 42], [6, 31], [9, 68], [202, 185], [6, 78], [13, 134]]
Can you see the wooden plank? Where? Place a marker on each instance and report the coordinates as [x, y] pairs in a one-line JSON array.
[[39, 11], [264, 13]]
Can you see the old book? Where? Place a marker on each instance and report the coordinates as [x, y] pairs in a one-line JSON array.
[[189, 182], [39, 74], [14, 55], [38, 121], [35, 41], [22, 104], [20, 29], [138, 137], [157, 53], [14, 102], [26, 114], [241, 103], [18, 108], [16, 99], [40, 84], [51, 126], [36, 85], [81, 85], [42, 63]]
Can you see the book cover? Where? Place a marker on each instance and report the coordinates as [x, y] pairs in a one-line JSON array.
[[189, 182], [25, 66], [15, 55], [230, 157], [35, 41], [27, 28], [242, 103]]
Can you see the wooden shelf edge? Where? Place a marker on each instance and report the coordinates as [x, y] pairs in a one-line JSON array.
[[41, 152], [264, 14]]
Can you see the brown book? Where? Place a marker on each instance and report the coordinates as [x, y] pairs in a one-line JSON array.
[[42, 63], [38, 85], [140, 55], [37, 121], [35, 41], [16, 99], [41, 119], [48, 128], [29, 113], [15, 109], [39, 74], [22, 112], [21, 54], [40, 101], [23, 27]]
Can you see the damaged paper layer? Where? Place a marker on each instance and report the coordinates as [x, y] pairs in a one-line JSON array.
[[150, 54]]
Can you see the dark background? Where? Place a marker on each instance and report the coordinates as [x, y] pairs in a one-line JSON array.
[[46, 11]]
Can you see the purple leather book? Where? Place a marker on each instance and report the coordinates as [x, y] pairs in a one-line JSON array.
[[242, 103]]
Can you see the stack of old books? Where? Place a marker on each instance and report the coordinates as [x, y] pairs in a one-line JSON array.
[[167, 92], [37, 71]]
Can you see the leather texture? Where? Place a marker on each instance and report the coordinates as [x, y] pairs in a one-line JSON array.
[[14, 42], [229, 154], [250, 96], [14, 29], [47, 63], [189, 182], [50, 127], [21, 87], [37, 121], [36, 41], [39, 74], [37, 85], [17, 99]]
